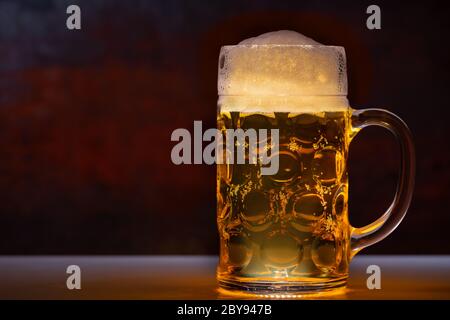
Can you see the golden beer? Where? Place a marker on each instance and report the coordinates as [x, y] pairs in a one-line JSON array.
[[288, 231], [291, 226]]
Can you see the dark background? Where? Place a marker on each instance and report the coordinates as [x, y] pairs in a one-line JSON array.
[[86, 118]]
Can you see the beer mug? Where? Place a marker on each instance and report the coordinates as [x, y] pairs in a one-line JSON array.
[[289, 231]]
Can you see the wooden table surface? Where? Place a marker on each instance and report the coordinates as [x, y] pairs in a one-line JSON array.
[[193, 277]]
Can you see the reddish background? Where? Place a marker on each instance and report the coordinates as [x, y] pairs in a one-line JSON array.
[[86, 118]]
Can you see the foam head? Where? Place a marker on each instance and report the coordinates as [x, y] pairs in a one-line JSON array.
[[283, 37], [282, 64]]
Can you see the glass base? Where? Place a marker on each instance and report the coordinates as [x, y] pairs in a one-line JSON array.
[[281, 288]]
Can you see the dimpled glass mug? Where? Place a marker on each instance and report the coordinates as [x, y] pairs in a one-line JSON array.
[[289, 232]]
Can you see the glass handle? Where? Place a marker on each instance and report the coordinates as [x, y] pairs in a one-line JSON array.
[[383, 226]]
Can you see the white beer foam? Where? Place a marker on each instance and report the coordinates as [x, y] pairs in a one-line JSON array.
[[284, 37], [282, 71], [291, 104]]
